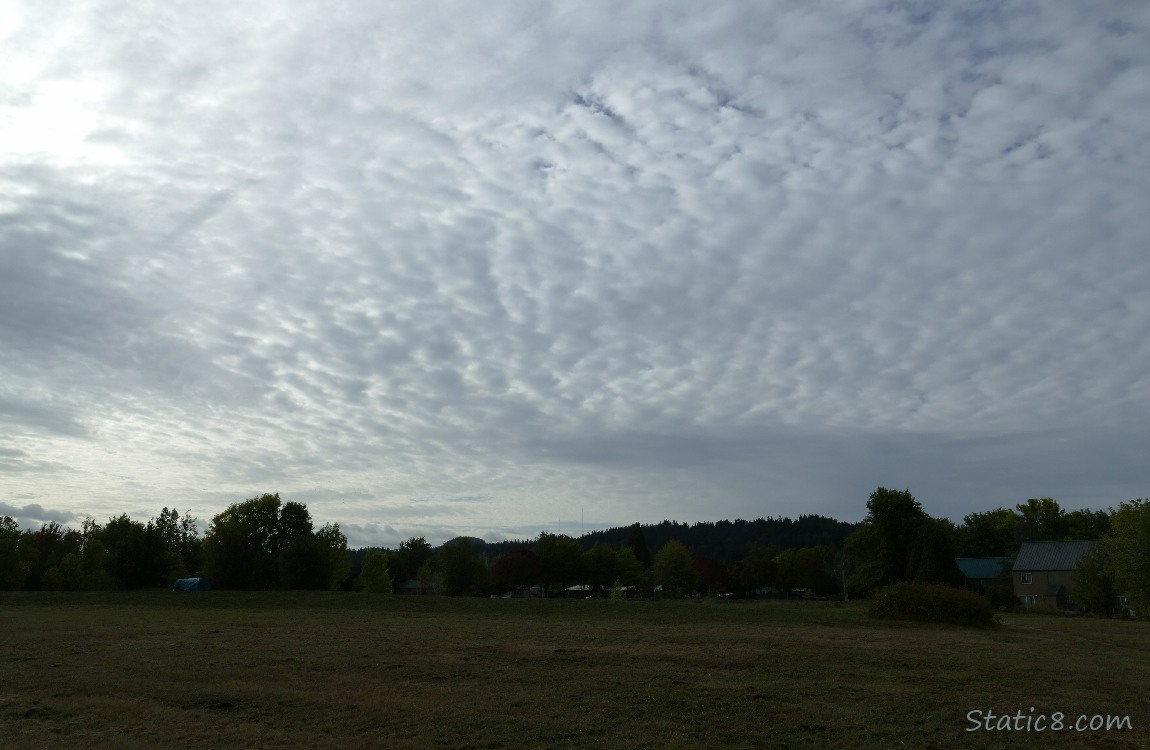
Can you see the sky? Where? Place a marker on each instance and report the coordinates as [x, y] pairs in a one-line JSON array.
[[495, 268]]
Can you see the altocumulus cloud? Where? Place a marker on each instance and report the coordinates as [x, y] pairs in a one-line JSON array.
[[478, 269]]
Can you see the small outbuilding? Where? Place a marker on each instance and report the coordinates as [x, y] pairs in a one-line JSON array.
[[192, 584], [982, 573]]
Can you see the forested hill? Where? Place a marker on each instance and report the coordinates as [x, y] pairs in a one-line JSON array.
[[726, 541]]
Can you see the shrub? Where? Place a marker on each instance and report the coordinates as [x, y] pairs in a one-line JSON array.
[[932, 603], [1001, 597]]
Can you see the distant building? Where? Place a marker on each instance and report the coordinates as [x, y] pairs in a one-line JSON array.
[[1044, 574], [984, 572]]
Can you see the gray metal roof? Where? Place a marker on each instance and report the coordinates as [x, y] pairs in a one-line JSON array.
[[1051, 555], [975, 568]]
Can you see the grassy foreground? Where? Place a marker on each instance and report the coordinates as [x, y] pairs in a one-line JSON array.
[[230, 669]]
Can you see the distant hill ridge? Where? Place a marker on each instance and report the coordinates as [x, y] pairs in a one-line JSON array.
[[726, 541]]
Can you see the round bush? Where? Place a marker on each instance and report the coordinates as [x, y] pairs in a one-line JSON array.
[[923, 602]]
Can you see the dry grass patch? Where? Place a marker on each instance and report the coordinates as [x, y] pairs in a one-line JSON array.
[[224, 669]]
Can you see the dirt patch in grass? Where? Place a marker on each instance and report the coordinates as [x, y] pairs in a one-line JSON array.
[[225, 669]]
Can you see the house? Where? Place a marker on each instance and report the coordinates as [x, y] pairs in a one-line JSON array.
[[984, 572], [1044, 574]]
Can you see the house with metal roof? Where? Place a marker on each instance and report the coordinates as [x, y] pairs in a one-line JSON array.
[[983, 572], [1044, 573]]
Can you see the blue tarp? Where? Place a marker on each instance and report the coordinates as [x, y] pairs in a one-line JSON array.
[[192, 584]]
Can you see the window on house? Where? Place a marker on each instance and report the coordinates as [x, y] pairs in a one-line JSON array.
[[1027, 577], [1027, 601]]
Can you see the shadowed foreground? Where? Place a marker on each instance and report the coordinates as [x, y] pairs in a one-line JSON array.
[[228, 669]]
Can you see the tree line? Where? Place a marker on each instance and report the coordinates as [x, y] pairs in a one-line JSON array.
[[264, 543]]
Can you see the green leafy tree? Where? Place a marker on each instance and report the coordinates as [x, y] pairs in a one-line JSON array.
[[599, 564], [463, 572], [430, 575], [181, 541], [1093, 583], [45, 548], [13, 570], [673, 568], [241, 546], [1128, 545], [785, 577], [813, 569], [560, 560], [757, 569], [898, 517], [263, 543], [931, 555], [411, 556], [711, 575], [628, 570], [1041, 520], [518, 567], [638, 544], [373, 574], [898, 542], [135, 552], [1087, 524], [304, 564], [993, 533], [617, 591], [334, 545]]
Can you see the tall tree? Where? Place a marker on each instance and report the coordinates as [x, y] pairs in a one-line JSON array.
[[1127, 545], [13, 570], [1041, 520], [136, 556], [373, 574], [898, 541], [334, 545], [412, 554], [262, 543], [240, 547], [711, 575], [518, 567], [879, 551], [1087, 524], [1093, 582], [931, 555], [560, 560], [757, 569], [628, 571], [638, 544], [673, 568], [600, 567], [813, 568], [463, 572], [992, 533]]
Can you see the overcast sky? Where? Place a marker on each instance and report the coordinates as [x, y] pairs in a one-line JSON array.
[[488, 268]]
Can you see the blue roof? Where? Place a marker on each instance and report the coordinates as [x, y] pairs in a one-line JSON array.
[[983, 567]]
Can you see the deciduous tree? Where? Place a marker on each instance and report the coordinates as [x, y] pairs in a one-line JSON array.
[[674, 569], [1128, 545], [463, 572], [1093, 582], [373, 573]]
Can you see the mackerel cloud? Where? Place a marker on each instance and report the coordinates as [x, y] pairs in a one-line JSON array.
[[482, 269]]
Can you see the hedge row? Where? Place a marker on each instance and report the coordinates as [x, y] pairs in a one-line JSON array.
[[932, 603]]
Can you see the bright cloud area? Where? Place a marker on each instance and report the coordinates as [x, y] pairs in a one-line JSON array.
[[491, 268]]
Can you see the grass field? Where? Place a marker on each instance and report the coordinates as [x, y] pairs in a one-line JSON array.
[[231, 669]]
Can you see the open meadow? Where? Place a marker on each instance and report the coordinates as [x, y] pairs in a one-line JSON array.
[[232, 669]]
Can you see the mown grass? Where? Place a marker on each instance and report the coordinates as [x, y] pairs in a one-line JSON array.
[[229, 669]]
